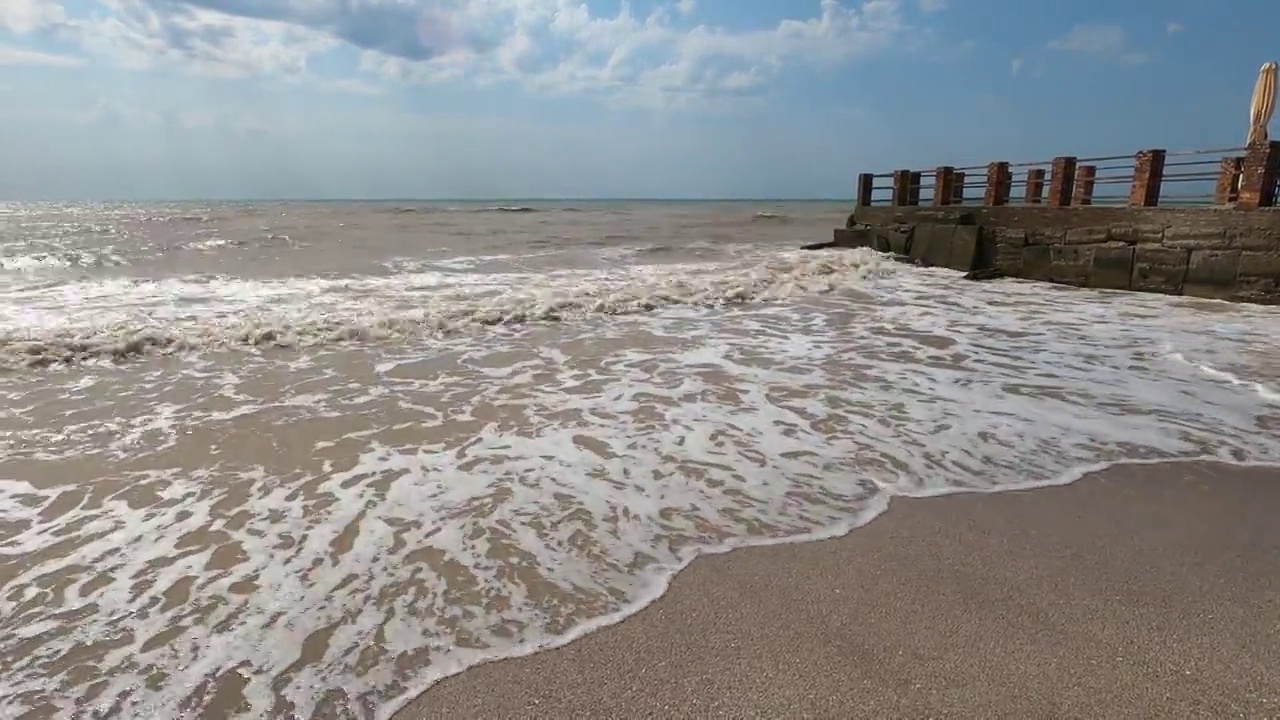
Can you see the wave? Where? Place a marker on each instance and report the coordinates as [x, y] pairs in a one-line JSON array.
[[768, 216], [166, 317], [61, 259]]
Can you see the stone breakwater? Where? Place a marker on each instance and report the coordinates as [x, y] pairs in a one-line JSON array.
[[1202, 252]]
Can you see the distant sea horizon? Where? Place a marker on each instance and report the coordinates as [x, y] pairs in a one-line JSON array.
[[475, 200]]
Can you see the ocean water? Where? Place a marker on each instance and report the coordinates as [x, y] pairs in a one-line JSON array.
[[304, 460]]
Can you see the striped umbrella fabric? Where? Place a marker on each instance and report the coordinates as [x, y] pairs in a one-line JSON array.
[[1264, 104]]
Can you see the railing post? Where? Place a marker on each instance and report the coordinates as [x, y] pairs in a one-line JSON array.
[[1062, 181], [1086, 178], [998, 182], [1259, 175], [901, 187], [1227, 191], [866, 184], [957, 198], [1035, 187], [944, 185], [1148, 175], [913, 188]]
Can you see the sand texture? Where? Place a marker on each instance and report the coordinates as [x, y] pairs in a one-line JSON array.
[[1140, 592]]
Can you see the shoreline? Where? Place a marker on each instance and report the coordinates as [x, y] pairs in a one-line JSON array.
[[700, 647]]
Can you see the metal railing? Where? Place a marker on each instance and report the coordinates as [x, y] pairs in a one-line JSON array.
[[1188, 178]]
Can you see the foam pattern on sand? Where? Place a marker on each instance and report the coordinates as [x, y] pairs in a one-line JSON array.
[[332, 531]]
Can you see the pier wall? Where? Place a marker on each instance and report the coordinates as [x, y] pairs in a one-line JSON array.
[[1214, 252]]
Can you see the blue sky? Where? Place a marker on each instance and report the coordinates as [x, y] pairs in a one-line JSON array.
[[152, 99]]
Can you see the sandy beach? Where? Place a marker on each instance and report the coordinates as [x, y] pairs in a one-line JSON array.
[[1141, 591]]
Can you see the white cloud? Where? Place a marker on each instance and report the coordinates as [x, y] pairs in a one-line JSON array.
[[1015, 66], [932, 6], [19, 56], [26, 16], [1173, 28], [143, 35], [1094, 39], [554, 46], [1107, 41]]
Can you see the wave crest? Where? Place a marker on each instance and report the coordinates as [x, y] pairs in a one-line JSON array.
[[303, 313]]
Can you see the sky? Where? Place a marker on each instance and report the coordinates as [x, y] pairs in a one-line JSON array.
[[245, 99]]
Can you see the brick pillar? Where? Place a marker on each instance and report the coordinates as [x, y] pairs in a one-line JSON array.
[[957, 198], [901, 187], [866, 184], [1259, 175], [1148, 175], [1062, 181], [1035, 187], [998, 182], [1227, 191], [1086, 178], [913, 188], [944, 185]]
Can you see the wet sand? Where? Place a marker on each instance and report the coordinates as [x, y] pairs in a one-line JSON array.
[[1143, 591]]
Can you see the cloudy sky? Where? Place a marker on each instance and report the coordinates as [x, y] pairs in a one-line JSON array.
[[177, 99]]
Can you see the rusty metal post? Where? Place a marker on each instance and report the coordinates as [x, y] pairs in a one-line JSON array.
[[1035, 187], [901, 187], [1259, 175], [999, 181], [944, 185], [1062, 182], [1227, 190], [1086, 178], [1148, 176], [866, 184]]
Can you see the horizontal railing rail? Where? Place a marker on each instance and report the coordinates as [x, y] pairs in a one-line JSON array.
[[1242, 177]]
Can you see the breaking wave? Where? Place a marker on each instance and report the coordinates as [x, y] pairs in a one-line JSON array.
[[120, 319]]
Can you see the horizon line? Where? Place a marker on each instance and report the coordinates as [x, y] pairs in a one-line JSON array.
[[498, 200]]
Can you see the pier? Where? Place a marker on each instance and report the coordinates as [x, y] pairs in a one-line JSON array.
[[1203, 223]]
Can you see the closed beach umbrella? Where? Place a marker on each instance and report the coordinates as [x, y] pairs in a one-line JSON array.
[[1264, 104]]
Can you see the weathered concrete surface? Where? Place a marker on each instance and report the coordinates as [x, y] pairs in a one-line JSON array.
[[1206, 252]]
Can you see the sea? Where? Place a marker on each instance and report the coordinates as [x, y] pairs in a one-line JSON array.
[[295, 460]]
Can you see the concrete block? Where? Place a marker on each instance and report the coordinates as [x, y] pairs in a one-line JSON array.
[[1008, 260], [1036, 261], [1159, 269], [1137, 234], [1258, 240], [1112, 267], [1047, 236], [1259, 264], [931, 244], [854, 237], [1212, 273], [1196, 237], [949, 246], [1007, 236], [894, 239], [965, 244], [1087, 235], [1070, 264]]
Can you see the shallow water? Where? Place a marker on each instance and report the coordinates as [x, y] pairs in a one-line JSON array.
[[304, 460]]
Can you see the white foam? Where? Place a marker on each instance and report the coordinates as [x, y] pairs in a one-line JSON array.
[[609, 450], [1264, 392], [124, 316]]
